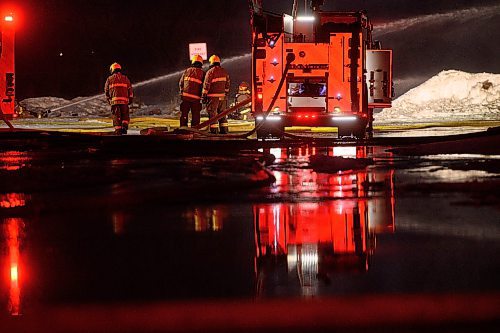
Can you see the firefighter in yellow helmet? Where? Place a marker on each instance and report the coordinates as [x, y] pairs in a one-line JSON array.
[[118, 91], [190, 86], [215, 91]]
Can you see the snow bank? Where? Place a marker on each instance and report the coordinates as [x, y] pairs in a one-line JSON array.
[[95, 106], [449, 96], [59, 107]]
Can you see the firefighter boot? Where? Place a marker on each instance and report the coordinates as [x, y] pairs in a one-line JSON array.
[[214, 129], [223, 126]]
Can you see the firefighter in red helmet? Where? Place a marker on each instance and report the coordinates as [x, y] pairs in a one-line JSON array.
[[215, 92], [119, 93], [190, 86]]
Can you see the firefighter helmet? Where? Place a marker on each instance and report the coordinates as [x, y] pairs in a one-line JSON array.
[[196, 58], [243, 86], [114, 66], [213, 59]]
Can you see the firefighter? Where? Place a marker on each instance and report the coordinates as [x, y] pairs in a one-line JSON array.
[[215, 92], [119, 93], [243, 94], [190, 86]]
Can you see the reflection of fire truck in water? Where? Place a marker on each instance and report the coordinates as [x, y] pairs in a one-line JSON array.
[[309, 242], [320, 69]]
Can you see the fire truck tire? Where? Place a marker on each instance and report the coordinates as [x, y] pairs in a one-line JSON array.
[[273, 131], [344, 132], [349, 132], [359, 134]]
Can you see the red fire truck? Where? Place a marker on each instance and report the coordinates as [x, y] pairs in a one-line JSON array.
[[323, 69], [7, 88]]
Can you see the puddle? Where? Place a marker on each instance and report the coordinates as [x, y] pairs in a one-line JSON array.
[[80, 228]]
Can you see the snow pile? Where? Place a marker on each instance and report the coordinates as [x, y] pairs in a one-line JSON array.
[[43, 102], [87, 107], [78, 107], [449, 96]]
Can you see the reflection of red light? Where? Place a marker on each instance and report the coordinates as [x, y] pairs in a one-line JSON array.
[[14, 274], [12, 235], [118, 222], [12, 200], [336, 223], [13, 160]]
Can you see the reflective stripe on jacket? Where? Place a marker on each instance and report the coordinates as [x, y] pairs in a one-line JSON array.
[[216, 82], [118, 89], [191, 83]]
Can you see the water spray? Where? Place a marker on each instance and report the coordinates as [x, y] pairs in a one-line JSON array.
[[462, 15], [149, 81]]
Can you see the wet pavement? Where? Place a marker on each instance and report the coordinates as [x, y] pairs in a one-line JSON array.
[[81, 225]]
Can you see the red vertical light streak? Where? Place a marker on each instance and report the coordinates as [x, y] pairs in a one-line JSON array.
[[12, 232]]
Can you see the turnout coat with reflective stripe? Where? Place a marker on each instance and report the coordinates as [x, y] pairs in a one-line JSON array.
[[216, 82], [118, 89], [191, 83]]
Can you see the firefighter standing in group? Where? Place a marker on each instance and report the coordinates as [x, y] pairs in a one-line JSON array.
[[215, 92], [243, 94], [119, 93], [190, 86]]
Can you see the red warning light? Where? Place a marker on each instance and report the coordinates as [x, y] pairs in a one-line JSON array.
[[9, 18]]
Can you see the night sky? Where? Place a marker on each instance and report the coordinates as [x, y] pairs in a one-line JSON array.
[[150, 38]]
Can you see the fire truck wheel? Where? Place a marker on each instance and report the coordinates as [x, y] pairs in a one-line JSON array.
[[359, 134], [270, 131], [344, 132], [348, 132]]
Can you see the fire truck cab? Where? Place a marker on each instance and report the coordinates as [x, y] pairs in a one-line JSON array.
[[320, 70]]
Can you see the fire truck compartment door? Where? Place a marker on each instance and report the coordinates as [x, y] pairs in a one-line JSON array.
[[379, 77]]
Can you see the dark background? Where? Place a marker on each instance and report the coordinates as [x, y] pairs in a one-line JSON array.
[[150, 38]]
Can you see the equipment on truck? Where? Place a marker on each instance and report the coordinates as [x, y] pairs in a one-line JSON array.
[[338, 76]]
